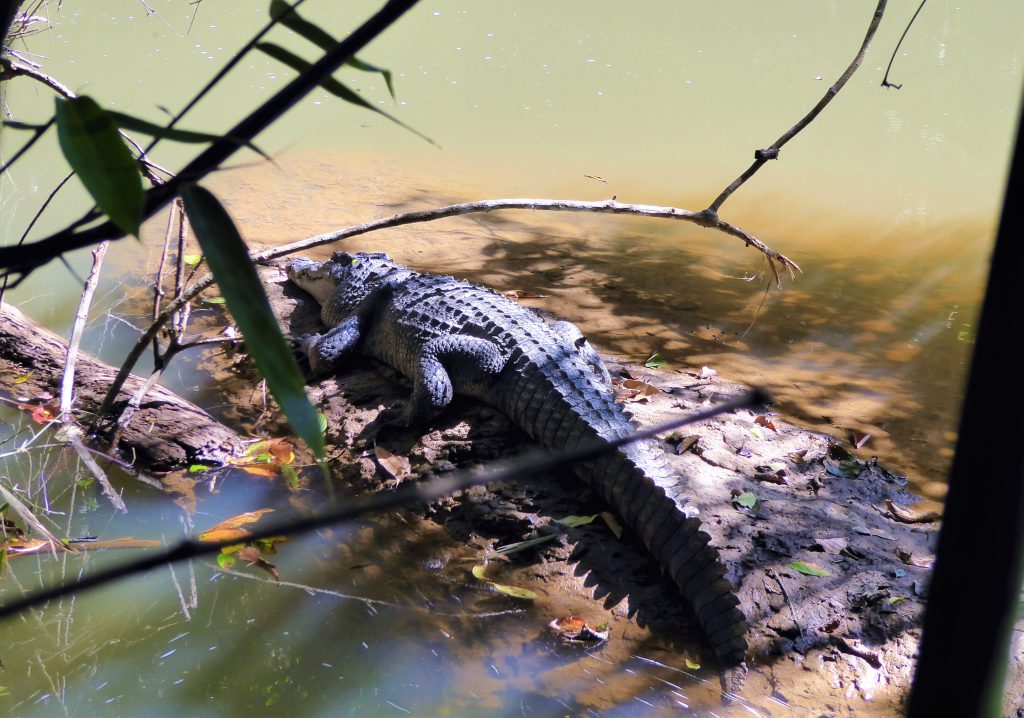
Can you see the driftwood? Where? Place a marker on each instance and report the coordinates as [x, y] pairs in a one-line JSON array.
[[165, 433]]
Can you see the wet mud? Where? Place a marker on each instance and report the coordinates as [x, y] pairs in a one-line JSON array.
[[828, 549]]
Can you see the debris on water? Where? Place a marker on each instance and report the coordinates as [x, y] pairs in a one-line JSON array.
[[575, 630]]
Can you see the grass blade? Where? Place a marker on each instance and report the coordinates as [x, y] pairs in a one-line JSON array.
[[97, 153], [229, 261]]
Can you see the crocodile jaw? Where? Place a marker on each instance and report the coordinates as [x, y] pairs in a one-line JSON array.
[[313, 277]]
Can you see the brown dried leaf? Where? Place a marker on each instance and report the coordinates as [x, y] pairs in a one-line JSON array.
[[398, 467], [686, 443], [635, 390], [912, 559], [832, 546], [231, 529], [765, 422], [252, 556], [921, 512], [517, 294], [858, 439]]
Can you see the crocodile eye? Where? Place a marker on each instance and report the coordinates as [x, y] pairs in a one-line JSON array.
[[343, 258]]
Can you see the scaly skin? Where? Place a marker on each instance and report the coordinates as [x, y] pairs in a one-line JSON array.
[[451, 336]]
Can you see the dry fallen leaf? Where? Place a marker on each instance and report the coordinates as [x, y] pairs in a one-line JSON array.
[[573, 629], [921, 512], [231, 529], [252, 556], [858, 439], [912, 559], [398, 467], [832, 545], [765, 422], [634, 390], [517, 294]]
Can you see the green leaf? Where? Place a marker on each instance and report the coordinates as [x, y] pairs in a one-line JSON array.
[[229, 261], [225, 561], [809, 569], [357, 64], [135, 124], [747, 500], [322, 39], [574, 521], [90, 141], [518, 546], [655, 360], [515, 591], [291, 476], [321, 421], [192, 260], [213, 300], [334, 87], [15, 125], [692, 665], [197, 468], [480, 572]]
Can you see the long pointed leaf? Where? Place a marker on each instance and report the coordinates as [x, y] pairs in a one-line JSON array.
[[128, 122], [230, 263], [97, 153], [337, 89], [319, 37]]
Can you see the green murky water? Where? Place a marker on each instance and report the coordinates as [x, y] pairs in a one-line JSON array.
[[888, 202]]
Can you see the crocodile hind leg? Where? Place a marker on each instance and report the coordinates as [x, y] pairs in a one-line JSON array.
[[447, 365]]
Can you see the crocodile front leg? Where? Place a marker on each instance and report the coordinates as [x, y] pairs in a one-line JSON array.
[[326, 351]]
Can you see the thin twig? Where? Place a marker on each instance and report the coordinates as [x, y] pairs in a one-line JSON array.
[[35, 218], [702, 219], [410, 493], [762, 156], [84, 302], [27, 146], [785, 594], [74, 435], [885, 80], [25, 259], [67, 385], [16, 68]]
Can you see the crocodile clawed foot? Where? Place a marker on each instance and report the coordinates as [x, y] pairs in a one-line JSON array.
[[299, 347], [393, 417]]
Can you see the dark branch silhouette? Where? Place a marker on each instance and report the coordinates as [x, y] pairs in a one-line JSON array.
[[427, 491], [22, 260], [885, 80]]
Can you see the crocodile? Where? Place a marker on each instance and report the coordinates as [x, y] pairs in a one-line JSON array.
[[453, 337]]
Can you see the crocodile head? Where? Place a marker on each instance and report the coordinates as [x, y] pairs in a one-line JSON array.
[[362, 271]]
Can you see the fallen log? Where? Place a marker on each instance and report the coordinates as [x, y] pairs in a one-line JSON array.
[[167, 432]]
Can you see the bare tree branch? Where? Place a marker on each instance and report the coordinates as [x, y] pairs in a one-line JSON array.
[[703, 219], [762, 156]]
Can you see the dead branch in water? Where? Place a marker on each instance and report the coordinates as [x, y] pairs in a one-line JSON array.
[[167, 432]]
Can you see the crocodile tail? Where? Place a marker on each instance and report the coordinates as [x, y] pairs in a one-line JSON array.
[[674, 536]]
